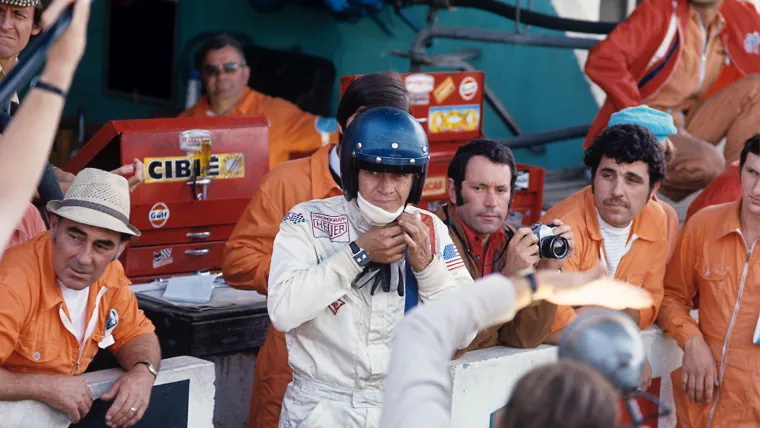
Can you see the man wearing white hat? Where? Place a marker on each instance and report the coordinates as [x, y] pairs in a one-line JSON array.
[[64, 296]]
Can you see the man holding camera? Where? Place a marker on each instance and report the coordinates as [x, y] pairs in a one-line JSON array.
[[481, 186], [615, 219]]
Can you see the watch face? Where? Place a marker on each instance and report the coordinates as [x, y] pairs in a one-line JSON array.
[[362, 258]]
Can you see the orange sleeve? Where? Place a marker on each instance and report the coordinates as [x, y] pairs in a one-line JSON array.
[[292, 130], [565, 315], [680, 287], [610, 61], [248, 252], [132, 320], [13, 312]]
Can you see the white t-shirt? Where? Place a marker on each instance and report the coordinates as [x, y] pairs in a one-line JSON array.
[[615, 243], [76, 303]]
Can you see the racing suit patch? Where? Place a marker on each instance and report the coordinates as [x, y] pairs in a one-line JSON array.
[[334, 228], [336, 305]]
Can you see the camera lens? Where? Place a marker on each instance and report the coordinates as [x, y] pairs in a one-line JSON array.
[[555, 247]]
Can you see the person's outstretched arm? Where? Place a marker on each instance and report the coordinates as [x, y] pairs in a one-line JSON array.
[[26, 143]]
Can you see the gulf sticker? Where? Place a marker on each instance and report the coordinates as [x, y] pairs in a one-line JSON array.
[[158, 215], [468, 88], [181, 168], [443, 90], [454, 119], [434, 186]]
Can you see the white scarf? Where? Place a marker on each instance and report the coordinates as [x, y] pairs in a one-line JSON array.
[[376, 216]]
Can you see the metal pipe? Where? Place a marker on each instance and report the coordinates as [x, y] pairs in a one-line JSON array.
[[541, 138]]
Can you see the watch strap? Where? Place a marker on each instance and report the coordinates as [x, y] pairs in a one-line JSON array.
[[531, 277], [354, 248], [48, 87]]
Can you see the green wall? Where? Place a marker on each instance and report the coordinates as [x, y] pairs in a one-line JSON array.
[[542, 87]]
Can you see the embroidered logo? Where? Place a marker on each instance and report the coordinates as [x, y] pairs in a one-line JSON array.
[[452, 258], [333, 227], [336, 305], [752, 43], [294, 218]]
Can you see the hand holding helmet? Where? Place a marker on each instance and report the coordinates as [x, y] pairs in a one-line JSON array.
[[417, 237]]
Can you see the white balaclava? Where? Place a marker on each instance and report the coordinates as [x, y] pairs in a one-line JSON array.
[[376, 216]]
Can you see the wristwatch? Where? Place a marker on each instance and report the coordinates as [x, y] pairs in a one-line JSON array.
[[530, 275], [360, 255], [150, 367]]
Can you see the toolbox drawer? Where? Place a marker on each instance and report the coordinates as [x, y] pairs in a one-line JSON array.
[[183, 235], [173, 258]]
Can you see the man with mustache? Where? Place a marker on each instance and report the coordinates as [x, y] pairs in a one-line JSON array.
[[225, 78], [615, 219], [715, 260], [64, 296], [697, 60], [481, 185]]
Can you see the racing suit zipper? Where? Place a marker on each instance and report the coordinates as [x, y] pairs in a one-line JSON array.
[[730, 328]]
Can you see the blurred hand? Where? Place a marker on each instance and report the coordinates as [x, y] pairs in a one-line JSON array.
[[63, 57]]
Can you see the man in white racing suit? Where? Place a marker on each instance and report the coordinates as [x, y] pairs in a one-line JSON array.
[[345, 270]]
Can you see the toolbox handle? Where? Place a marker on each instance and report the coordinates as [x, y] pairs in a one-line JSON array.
[[198, 252], [198, 235]]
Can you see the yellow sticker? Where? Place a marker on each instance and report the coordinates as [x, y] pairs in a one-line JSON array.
[[454, 119], [443, 90], [434, 186], [181, 168]]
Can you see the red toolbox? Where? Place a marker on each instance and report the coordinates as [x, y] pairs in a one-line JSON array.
[[449, 105], [181, 231]]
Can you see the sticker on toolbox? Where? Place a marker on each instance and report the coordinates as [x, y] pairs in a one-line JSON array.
[[443, 90], [454, 119], [523, 180], [434, 186], [419, 83], [468, 88], [178, 168], [419, 99], [158, 215], [162, 258]]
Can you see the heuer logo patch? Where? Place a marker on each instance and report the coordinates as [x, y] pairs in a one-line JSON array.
[[336, 305], [333, 227]]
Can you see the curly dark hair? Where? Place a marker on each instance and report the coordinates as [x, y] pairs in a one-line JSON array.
[[627, 144], [493, 151], [752, 145]]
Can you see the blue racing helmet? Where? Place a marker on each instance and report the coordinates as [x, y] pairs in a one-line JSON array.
[[384, 139]]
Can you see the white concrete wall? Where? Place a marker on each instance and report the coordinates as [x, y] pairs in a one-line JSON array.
[[24, 414], [482, 381]]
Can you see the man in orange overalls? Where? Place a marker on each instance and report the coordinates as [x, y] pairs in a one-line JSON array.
[[248, 252], [292, 132], [695, 59], [715, 258]]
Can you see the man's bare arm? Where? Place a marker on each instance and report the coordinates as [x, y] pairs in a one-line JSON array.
[[69, 394], [144, 347]]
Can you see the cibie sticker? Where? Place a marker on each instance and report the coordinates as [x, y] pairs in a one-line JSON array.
[[162, 258], [453, 119], [158, 215], [434, 186], [327, 226], [468, 88], [419, 83], [222, 166]]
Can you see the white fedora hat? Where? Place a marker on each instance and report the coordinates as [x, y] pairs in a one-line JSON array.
[[97, 198]]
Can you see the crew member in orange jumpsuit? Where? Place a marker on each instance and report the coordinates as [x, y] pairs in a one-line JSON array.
[[725, 188], [292, 133], [695, 59], [248, 252], [715, 257]]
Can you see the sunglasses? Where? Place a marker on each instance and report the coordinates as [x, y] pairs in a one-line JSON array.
[[227, 68]]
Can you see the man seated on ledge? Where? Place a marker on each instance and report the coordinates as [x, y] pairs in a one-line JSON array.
[[481, 185], [64, 296], [225, 77]]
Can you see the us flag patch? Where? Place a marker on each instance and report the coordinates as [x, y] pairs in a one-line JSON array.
[[294, 218], [452, 258]]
